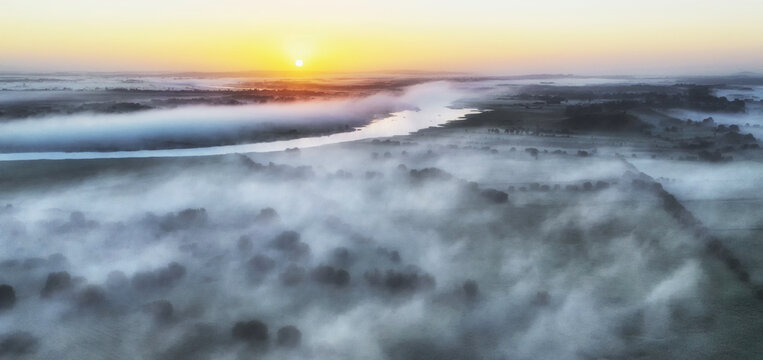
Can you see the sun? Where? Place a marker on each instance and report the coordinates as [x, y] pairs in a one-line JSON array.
[[298, 63]]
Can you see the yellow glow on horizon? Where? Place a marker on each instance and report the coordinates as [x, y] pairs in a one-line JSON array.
[[492, 36]]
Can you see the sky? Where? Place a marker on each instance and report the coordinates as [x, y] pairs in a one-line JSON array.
[[479, 36]]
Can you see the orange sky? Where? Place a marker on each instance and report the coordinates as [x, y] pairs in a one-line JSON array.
[[491, 37]]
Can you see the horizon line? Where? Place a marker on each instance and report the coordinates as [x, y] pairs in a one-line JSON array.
[[407, 72]]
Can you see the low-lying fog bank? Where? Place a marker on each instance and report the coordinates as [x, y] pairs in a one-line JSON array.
[[429, 105], [192, 127], [503, 235], [362, 251]]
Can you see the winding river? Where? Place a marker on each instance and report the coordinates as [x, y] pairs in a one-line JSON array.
[[431, 111]]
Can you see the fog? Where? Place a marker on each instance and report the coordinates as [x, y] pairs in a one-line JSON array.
[[373, 261], [195, 126], [430, 104], [453, 242], [749, 122]]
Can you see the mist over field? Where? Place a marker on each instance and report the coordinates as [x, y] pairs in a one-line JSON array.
[[381, 180], [565, 219]]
